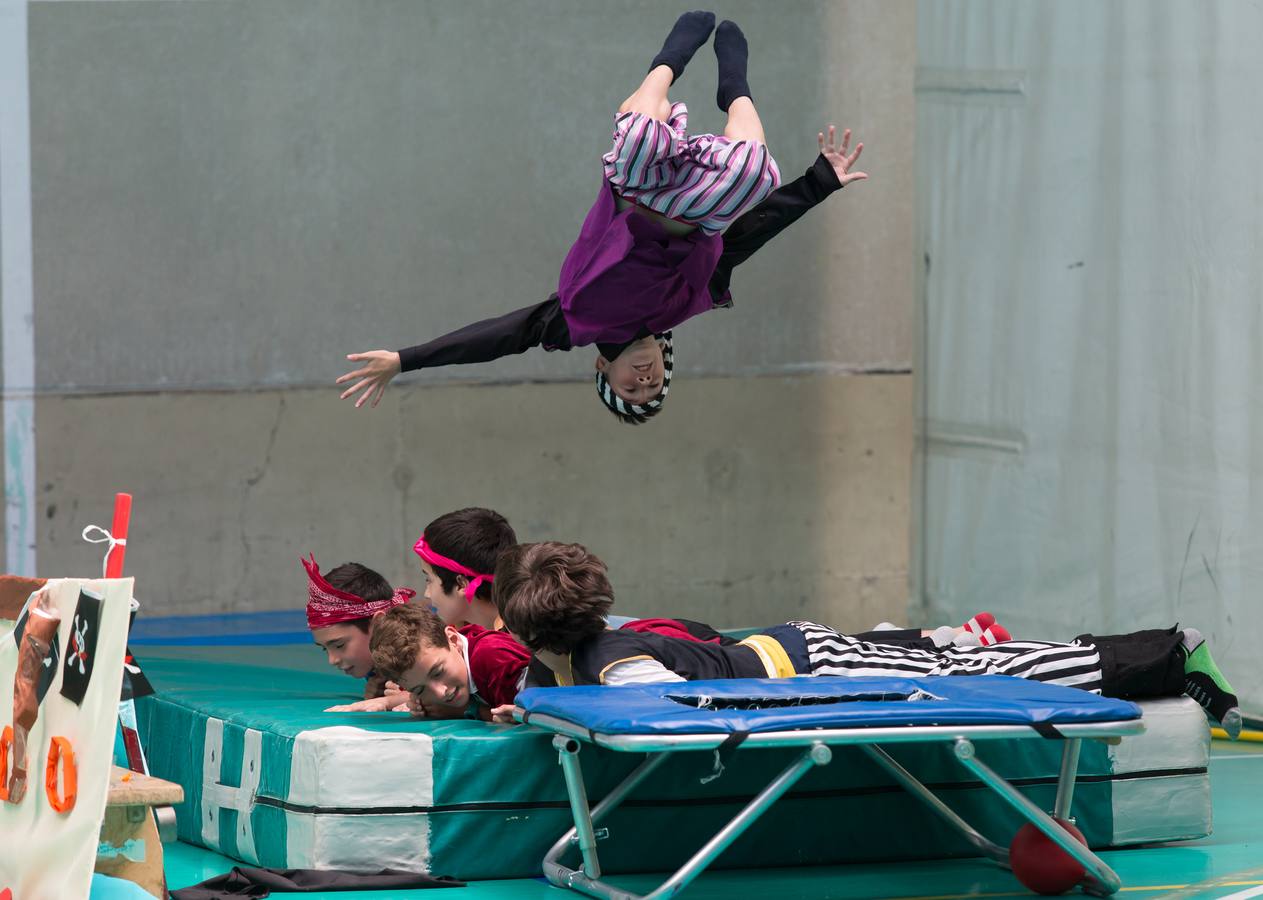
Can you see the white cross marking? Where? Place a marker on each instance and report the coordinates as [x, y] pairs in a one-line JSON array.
[[217, 797]]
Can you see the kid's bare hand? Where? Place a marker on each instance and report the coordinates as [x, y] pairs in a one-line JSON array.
[[416, 707], [422, 710], [399, 698], [837, 156], [370, 380], [504, 715], [377, 704]]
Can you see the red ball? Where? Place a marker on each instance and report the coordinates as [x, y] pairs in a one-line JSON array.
[[1040, 864]]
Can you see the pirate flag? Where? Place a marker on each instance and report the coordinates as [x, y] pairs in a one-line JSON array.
[[135, 682], [81, 648], [48, 669]]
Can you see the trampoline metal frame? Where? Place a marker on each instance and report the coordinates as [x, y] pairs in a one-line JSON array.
[[815, 744]]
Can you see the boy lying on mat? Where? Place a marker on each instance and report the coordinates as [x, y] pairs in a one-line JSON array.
[[342, 608], [555, 598], [469, 671], [476, 669]]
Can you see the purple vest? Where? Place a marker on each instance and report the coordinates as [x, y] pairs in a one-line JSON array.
[[626, 273]]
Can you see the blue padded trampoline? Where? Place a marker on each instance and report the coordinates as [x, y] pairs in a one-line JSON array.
[[815, 714]]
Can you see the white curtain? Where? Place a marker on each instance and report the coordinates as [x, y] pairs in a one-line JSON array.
[[1090, 211]]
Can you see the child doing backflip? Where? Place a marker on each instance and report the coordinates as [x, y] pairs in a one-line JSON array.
[[554, 599], [675, 214]]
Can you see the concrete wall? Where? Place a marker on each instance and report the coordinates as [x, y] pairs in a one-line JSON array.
[[800, 514], [230, 196]]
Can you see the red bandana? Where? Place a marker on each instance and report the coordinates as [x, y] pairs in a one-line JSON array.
[[326, 605]]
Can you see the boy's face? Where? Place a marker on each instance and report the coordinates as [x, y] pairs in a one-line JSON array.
[[451, 607], [439, 675], [346, 646], [637, 374]]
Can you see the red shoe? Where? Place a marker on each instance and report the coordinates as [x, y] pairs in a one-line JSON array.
[[979, 623], [996, 634]]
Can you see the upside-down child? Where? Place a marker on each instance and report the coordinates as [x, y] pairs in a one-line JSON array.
[[555, 598], [674, 215], [342, 607]]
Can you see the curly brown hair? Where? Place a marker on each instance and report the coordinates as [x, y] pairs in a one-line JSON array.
[[399, 633], [552, 596]]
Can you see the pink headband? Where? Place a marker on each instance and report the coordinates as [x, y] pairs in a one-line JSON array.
[[326, 605], [423, 550]]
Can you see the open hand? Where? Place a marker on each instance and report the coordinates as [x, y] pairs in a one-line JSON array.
[[370, 380], [837, 157]]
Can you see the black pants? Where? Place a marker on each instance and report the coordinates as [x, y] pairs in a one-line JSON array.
[[900, 637], [1142, 664], [1129, 666]]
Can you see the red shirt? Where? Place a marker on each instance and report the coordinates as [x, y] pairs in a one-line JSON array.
[[496, 663], [681, 629]]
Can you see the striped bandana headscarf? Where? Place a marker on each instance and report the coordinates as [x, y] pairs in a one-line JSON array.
[[326, 605], [636, 413]]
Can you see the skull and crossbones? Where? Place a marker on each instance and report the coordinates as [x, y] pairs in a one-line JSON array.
[[76, 652]]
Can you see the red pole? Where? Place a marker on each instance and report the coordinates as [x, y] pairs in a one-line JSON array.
[[122, 516]]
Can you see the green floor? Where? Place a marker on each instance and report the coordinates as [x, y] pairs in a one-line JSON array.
[[1229, 863]]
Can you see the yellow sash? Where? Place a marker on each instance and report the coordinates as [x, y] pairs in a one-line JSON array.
[[773, 656]]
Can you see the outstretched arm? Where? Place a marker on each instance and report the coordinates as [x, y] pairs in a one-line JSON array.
[[831, 171], [514, 332]]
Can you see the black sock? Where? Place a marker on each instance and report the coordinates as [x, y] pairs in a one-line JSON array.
[[690, 32], [733, 52]]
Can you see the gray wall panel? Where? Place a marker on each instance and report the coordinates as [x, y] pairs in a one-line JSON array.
[[235, 194], [803, 516], [238, 193]]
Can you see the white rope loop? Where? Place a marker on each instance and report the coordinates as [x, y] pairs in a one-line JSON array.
[[102, 536]]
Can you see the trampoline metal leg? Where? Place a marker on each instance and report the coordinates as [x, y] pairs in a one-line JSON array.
[[585, 820], [1065, 781], [1103, 879], [914, 786], [588, 881], [568, 757], [816, 755]]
